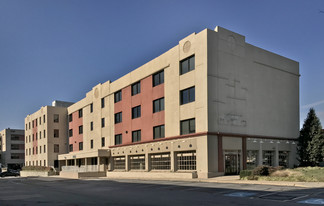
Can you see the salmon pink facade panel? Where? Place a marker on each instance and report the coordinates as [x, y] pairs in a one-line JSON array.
[[76, 138], [147, 119]]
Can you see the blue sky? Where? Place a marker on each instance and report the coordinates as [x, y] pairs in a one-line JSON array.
[[60, 49]]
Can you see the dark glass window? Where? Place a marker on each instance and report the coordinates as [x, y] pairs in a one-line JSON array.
[[118, 96], [91, 143], [158, 132], [158, 78], [71, 147], [80, 145], [56, 133], [187, 126], [80, 113], [102, 122], [187, 95], [118, 117], [81, 129], [158, 105], [118, 139], [102, 102], [102, 141], [91, 126], [136, 136], [91, 107], [136, 112], [136, 88], [56, 118], [43, 118], [187, 65], [70, 118], [70, 132]]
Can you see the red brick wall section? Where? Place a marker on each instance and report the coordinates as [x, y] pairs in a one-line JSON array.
[[147, 120], [76, 138], [35, 141]]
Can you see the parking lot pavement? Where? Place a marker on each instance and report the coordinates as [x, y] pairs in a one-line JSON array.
[[58, 191]]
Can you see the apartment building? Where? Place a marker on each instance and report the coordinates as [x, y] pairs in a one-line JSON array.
[[209, 106], [46, 135], [12, 148]]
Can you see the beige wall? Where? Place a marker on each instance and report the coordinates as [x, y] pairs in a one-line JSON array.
[[250, 91], [49, 156]]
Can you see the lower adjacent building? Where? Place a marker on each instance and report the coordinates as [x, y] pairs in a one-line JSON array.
[[46, 134], [12, 148], [212, 105]]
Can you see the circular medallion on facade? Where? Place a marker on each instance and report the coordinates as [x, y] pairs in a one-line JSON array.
[[96, 93], [186, 46], [231, 42]]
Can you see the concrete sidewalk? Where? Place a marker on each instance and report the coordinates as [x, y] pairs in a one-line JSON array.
[[236, 180]]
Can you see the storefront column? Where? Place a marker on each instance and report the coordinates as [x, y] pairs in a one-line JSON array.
[[260, 154], [244, 152], [147, 162], [220, 154], [276, 160], [173, 161], [126, 162]]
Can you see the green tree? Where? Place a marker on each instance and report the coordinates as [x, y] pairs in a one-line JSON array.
[[311, 141]]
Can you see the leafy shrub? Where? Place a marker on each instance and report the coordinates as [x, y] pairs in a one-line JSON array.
[[245, 173], [262, 170], [37, 168]]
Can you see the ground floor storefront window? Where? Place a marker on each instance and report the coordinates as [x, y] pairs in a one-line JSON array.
[[186, 160], [119, 163], [284, 158], [251, 159], [161, 161], [137, 162], [268, 158]]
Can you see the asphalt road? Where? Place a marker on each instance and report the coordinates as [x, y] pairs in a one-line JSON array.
[[55, 191]]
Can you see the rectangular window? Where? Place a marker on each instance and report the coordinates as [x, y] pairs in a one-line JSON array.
[[158, 105], [56, 148], [102, 122], [44, 148], [118, 117], [40, 135], [33, 137], [29, 125], [119, 163], [102, 102], [136, 136], [40, 120], [136, 88], [81, 129], [137, 162], [118, 96], [80, 113], [40, 149], [70, 132], [252, 159], [158, 78], [44, 162], [70, 118], [187, 95], [158, 132], [102, 141], [44, 134], [80, 145], [186, 160], [29, 138], [29, 151], [118, 139], [91, 143], [56, 118], [187, 126], [71, 147], [161, 161], [136, 112], [56, 133], [187, 65], [284, 159], [91, 126], [91, 107], [44, 118], [36, 122]]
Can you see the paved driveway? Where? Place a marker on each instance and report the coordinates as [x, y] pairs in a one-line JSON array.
[[55, 191]]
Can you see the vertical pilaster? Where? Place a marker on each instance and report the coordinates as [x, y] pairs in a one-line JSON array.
[[220, 154]]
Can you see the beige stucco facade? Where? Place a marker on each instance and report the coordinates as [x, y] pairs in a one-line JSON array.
[[245, 112], [12, 148], [40, 138]]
